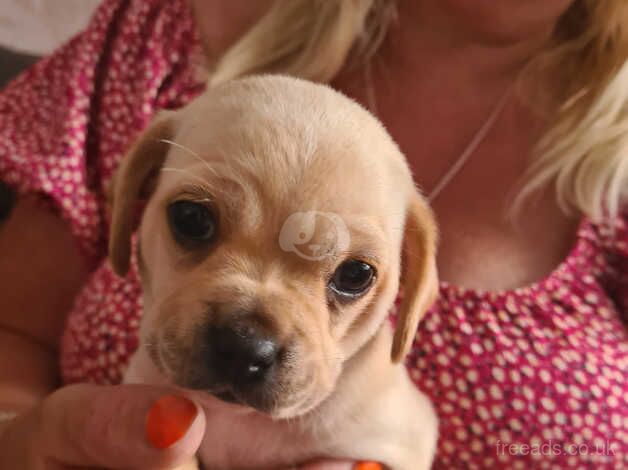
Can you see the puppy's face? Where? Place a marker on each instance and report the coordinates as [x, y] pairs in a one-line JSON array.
[[270, 246]]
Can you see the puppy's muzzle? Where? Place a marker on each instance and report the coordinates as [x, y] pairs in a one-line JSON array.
[[241, 361]]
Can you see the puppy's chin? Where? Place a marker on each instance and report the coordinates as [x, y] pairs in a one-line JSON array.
[[308, 397], [275, 402], [266, 402]]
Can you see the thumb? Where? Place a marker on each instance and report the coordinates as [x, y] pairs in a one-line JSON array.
[[123, 426]]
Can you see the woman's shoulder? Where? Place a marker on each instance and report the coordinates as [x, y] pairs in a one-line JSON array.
[[611, 232], [609, 239]]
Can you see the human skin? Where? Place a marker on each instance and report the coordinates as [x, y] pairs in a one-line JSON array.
[[445, 61]]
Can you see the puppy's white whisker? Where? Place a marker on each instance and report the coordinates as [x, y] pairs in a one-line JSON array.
[[186, 172], [180, 146], [189, 151]]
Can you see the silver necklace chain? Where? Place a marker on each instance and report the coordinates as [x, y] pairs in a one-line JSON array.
[[468, 151]]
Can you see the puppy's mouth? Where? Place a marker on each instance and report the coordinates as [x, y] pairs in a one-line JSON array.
[[228, 397], [263, 399], [232, 398], [271, 399], [298, 406], [225, 394]]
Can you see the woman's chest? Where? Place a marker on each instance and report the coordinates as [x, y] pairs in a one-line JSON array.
[[480, 246], [483, 247]]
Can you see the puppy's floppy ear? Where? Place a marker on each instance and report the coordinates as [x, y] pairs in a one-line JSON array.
[[419, 279], [133, 180]]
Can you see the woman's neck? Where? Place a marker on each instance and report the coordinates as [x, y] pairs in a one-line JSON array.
[[433, 85], [431, 49]]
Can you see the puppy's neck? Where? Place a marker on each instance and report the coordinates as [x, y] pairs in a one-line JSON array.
[[372, 363]]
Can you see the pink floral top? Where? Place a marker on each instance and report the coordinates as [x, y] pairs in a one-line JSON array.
[[529, 378]]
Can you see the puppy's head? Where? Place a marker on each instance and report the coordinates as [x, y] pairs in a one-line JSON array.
[[271, 244]]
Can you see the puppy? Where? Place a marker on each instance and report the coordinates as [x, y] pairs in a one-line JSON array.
[[270, 253]]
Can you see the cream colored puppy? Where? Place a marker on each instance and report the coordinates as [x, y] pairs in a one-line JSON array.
[[270, 253]]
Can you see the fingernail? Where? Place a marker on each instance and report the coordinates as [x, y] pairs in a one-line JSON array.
[[168, 420], [367, 466]]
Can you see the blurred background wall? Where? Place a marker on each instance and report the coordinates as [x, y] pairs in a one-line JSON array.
[[32, 28]]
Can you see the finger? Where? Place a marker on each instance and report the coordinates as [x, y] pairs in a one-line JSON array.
[[119, 427], [329, 465]]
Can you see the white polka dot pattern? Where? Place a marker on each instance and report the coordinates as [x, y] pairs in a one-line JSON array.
[[534, 377], [65, 123]]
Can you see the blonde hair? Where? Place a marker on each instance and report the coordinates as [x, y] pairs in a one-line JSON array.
[[583, 153]]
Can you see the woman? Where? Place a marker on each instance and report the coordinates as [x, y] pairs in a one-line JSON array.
[[513, 116]]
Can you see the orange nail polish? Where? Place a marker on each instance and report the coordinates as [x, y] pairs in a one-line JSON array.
[[168, 420], [367, 466]]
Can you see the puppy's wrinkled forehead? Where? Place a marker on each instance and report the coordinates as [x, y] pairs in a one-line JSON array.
[[295, 143]]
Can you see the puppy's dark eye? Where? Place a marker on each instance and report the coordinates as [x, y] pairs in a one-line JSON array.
[[352, 278], [191, 221]]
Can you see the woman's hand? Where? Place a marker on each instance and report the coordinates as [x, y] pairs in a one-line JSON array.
[[110, 427]]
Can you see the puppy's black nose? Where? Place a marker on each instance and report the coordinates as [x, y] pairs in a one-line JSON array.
[[241, 354]]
